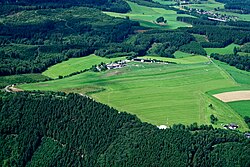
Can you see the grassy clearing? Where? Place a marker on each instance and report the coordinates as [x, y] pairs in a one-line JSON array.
[[241, 107], [227, 50], [76, 64], [185, 60], [243, 54], [147, 15], [165, 2], [179, 54], [156, 93], [200, 38]]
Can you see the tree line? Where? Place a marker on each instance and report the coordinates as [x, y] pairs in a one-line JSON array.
[[240, 6], [240, 62], [114, 5]]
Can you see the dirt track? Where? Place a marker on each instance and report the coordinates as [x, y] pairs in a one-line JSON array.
[[233, 96]]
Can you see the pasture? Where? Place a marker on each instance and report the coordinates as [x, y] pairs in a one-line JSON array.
[[240, 76], [76, 64], [207, 5], [147, 15], [226, 50], [241, 107], [165, 2], [156, 93], [180, 54]]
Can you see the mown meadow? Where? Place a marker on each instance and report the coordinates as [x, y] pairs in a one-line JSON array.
[[156, 93]]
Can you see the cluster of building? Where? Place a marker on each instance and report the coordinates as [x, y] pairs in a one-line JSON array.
[[119, 64], [212, 15], [149, 60], [123, 63], [143, 60]]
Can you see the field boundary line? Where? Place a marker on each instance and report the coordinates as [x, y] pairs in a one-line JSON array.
[[223, 70]]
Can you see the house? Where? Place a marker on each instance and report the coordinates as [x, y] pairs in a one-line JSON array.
[[138, 60], [247, 135], [233, 126], [162, 127]]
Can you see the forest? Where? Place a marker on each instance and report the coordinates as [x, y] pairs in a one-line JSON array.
[[13, 5], [242, 6], [55, 129], [240, 62], [37, 46]]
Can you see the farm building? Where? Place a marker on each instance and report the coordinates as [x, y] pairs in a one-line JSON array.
[[119, 64], [231, 126], [162, 127], [143, 60], [247, 135]]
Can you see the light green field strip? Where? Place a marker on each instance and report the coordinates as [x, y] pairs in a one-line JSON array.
[[243, 54], [180, 54], [147, 15], [76, 64], [240, 76], [186, 60], [200, 38], [165, 2], [156, 93], [227, 50]]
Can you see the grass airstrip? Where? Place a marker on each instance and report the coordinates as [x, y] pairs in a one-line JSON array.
[[147, 15], [156, 93]]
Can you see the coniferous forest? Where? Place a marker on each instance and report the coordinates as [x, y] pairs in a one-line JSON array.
[[54, 129]]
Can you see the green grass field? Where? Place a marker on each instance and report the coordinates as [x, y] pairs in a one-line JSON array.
[[165, 2], [200, 38], [240, 76], [76, 64], [241, 107], [186, 60], [180, 54], [209, 5], [147, 15], [227, 50], [156, 93]]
